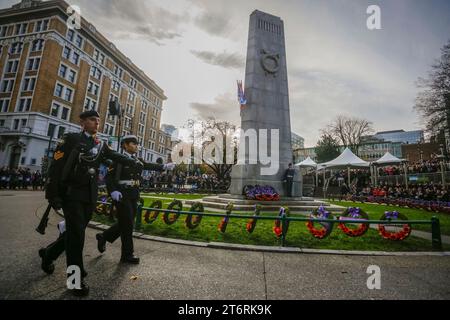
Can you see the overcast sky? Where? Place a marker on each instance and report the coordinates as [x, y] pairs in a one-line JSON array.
[[195, 51]]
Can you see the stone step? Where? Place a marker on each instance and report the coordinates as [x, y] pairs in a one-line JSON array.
[[253, 202], [266, 207]]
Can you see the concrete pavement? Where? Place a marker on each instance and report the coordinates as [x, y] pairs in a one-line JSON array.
[[170, 271]]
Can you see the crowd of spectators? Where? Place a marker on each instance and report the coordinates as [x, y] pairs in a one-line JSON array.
[[181, 181], [20, 179], [429, 166], [425, 191]]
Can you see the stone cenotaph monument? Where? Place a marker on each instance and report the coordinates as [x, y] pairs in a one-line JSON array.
[[267, 108]]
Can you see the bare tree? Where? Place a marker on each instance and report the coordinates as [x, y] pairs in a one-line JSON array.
[[226, 131], [433, 102], [348, 131]]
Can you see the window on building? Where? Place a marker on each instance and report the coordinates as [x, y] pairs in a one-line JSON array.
[[64, 92], [65, 114], [75, 58], [118, 71], [116, 85], [72, 76], [41, 25], [28, 84], [55, 109], [99, 57], [7, 85], [66, 53], [51, 130], [141, 129], [59, 90], [127, 122], [131, 96], [33, 162], [33, 64], [4, 105], [142, 117], [3, 30], [71, 55], [133, 83], [93, 88], [90, 104], [130, 109], [37, 45], [96, 73], [16, 124], [79, 41], [68, 95], [62, 71], [70, 35], [16, 48], [24, 105], [12, 66], [21, 28]]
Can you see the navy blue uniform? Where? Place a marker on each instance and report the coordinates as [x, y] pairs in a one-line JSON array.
[[72, 185], [126, 178]]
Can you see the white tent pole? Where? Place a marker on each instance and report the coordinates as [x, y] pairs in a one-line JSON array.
[[375, 169], [317, 178], [371, 174]]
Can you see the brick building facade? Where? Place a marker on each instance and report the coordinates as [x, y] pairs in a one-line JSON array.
[[51, 73]]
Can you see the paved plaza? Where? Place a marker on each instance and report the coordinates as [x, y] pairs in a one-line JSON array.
[[176, 272]]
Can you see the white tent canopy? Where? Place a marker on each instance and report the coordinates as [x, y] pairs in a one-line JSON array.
[[346, 160], [307, 163], [388, 159]]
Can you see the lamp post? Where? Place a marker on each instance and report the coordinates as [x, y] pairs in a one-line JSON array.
[[51, 133]]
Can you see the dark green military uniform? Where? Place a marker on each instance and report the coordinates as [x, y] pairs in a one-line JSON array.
[[125, 178]]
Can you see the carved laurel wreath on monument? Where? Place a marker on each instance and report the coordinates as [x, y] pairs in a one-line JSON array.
[[270, 62]]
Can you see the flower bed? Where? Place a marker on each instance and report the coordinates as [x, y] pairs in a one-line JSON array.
[[261, 193]]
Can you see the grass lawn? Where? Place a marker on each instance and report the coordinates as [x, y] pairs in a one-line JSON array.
[[375, 211], [298, 235]]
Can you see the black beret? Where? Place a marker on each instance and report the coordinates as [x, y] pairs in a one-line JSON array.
[[88, 114], [128, 139]]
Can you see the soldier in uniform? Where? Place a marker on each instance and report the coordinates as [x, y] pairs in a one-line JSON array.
[[72, 186], [123, 182], [289, 179]]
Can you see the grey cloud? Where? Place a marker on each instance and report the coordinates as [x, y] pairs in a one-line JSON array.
[[224, 108], [224, 59], [133, 19], [213, 24], [317, 96]]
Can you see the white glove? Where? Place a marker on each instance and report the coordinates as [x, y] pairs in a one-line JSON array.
[[116, 196], [62, 227]]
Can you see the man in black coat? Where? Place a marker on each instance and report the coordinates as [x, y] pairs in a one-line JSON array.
[[289, 179], [72, 186], [123, 183]]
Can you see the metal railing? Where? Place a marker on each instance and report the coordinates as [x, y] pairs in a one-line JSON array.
[[434, 222]]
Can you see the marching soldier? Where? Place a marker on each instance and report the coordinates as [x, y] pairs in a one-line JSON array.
[[72, 186], [123, 182]]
